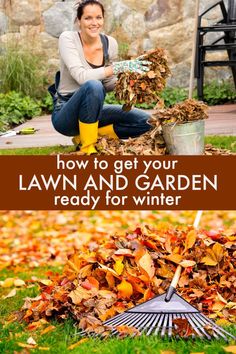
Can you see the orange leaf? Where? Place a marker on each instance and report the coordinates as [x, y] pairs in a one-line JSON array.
[[143, 86], [214, 255], [48, 329], [146, 264], [125, 289], [75, 345], [176, 258], [190, 239]]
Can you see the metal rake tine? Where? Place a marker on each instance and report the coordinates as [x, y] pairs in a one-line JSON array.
[[117, 318], [132, 322], [153, 324], [170, 326], [217, 331], [200, 327], [164, 326], [204, 321], [218, 327], [159, 324], [146, 321], [189, 318]]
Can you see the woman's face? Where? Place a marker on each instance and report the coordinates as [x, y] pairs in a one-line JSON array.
[[92, 20]]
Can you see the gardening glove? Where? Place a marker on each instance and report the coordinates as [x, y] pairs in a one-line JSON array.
[[134, 66]]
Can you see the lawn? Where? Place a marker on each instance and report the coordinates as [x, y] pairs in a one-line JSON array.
[[34, 246], [221, 142]]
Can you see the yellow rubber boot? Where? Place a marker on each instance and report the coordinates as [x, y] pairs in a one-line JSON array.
[[88, 137], [107, 130]]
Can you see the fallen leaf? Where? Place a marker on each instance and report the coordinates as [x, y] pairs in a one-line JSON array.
[[119, 266], [146, 264], [230, 349], [125, 289], [75, 345], [12, 293], [48, 329], [7, 283], [190, 240], [31, 341], [19, 282]]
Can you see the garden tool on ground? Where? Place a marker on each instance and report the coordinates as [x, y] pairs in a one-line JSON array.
[[168, 315], [24, 131]]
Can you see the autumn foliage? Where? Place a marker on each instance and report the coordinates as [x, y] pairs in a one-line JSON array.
[[111, 274], [135, 88]]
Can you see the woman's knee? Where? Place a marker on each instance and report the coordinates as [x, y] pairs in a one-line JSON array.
[[94, 87]]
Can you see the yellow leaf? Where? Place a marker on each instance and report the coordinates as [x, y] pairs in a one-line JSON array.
[[167, 352], [208, 260], [190, 239], [119, 266], [187, 263], [230, 349], [176, 258], [44, 348], [146, 264], [75, 345], [125, 289], [7, 283], [24, 345], [218, 251], [213, 255], [45, 281]]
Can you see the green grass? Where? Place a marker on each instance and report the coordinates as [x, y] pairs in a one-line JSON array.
[[64, 334], [223, 142], [48, 150]]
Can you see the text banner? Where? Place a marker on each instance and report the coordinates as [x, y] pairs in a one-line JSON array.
[[117, 182]]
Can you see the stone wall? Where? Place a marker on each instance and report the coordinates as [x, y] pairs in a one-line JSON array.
[[137, 25]]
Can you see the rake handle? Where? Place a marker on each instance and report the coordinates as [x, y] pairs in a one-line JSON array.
[[177, 274], [173, 283]]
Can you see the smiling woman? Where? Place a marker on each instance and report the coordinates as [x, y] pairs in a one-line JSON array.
[[88, 70]]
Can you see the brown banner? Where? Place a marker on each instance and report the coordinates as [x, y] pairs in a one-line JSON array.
[[117, 182]]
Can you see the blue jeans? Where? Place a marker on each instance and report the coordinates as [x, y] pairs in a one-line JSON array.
[[87, 105]]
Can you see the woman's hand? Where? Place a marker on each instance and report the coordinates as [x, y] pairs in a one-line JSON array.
[[134, 66]]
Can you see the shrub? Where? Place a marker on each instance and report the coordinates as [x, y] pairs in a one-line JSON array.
[[16, 108], [21, 70]]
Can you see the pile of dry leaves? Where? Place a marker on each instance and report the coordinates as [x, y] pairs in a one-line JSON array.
[[135, 88], [109, 275], [186, 111]]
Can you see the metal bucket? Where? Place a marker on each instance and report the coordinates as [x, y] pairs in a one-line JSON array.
[[185, 138]]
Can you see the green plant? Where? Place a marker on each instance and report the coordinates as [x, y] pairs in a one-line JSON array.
[[219, 92], [172, 95], [21, 70], [16, 108], [47, 103]]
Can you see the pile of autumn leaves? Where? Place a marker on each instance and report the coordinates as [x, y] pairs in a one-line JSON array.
[[108, 276]]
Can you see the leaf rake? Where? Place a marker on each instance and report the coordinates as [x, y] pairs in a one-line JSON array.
[[166, 315]]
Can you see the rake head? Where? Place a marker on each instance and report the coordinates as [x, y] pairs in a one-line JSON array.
[[157, 316], [173, 318]]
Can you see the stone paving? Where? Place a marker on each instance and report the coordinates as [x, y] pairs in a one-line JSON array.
[[222, 121]]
